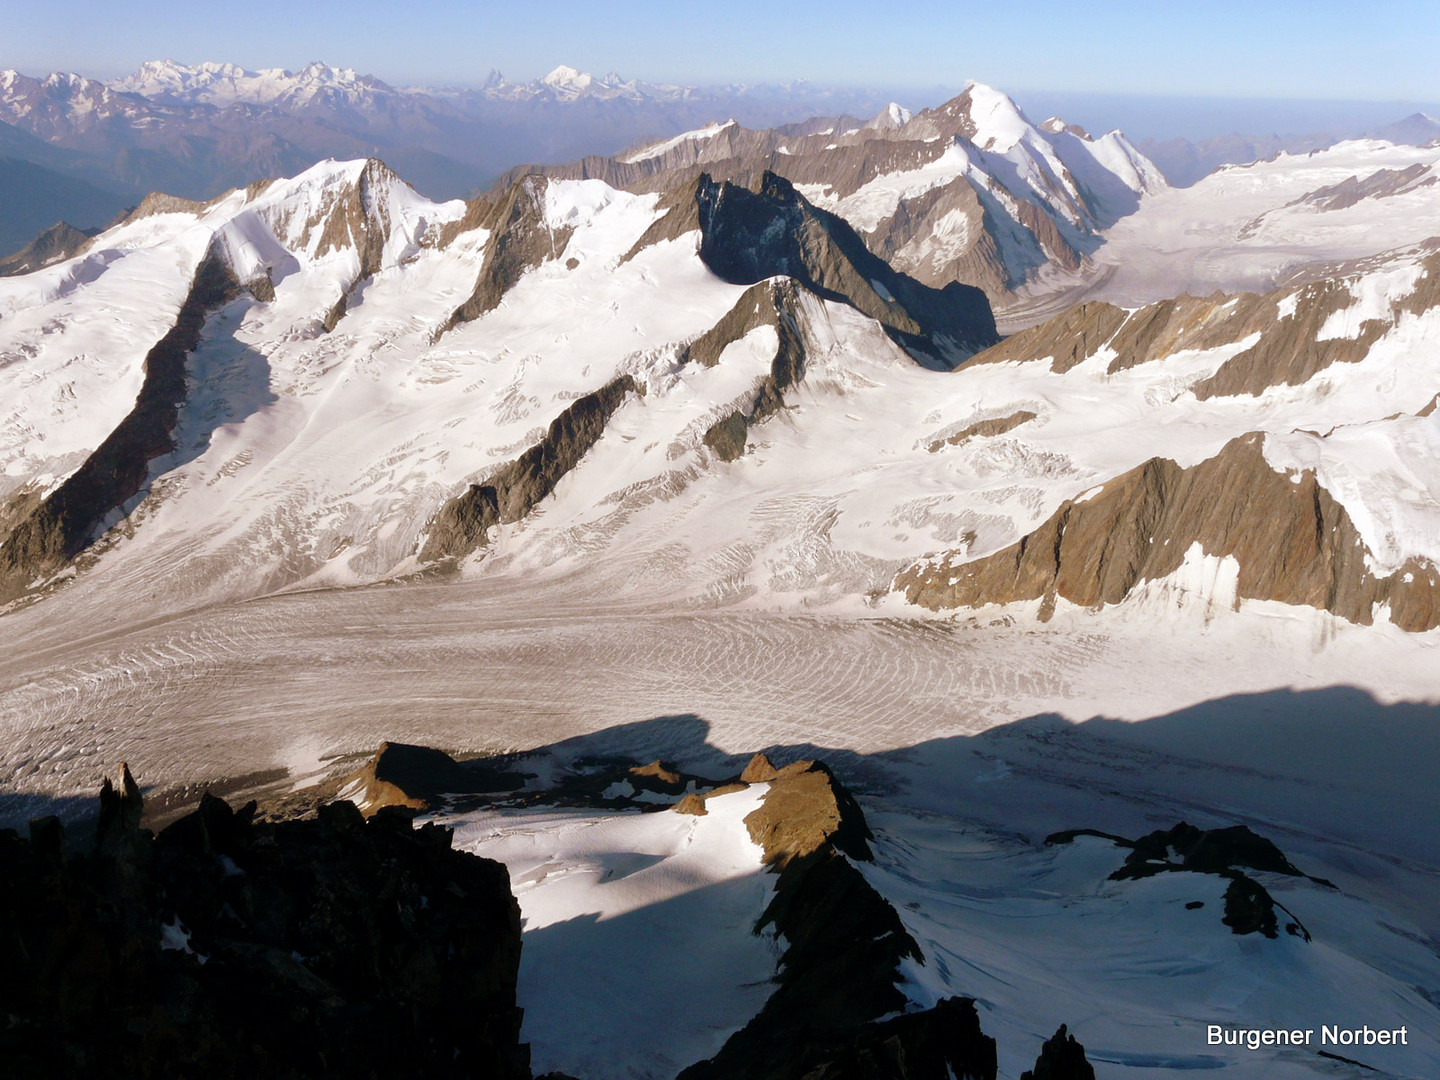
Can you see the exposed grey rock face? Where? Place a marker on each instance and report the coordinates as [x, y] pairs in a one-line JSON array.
[[949, 234], [1293, 543], [1381, 184], [66, 522], [748, 236], [510, 493], [56, 243], [519, 240], [986, 429]]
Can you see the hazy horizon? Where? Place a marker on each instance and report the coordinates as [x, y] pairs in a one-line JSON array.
[[1140, 115], [1279, 50]]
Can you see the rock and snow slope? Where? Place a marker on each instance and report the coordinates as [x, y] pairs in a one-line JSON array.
[[968, 191], [1260, 225], [345, 386], [386, 383]]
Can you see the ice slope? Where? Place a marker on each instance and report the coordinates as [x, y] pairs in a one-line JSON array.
[[653, 150], [1040, 937], [75, 336]]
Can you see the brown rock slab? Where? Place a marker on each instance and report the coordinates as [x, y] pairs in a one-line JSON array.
[[758, 770], [804, 809], [514, 490], [692, 804], [666, 774], [1293, 541]]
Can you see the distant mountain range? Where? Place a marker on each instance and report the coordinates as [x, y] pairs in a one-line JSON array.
[[195, 131], [88, 149]]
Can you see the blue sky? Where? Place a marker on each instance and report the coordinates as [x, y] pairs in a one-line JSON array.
[[1280, 48]]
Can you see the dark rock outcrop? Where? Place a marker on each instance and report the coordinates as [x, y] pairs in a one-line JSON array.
[[1294, 543], [747, 236], [59, 242], [750, 235], [418, 777], [986, 429], [226, 948], [1250, 909], [510, 493], [1206, 851], [844, 945], [1227, 853], [1061, 1058], [769, 303], [519, 240], [69, 518], [938, 1044]]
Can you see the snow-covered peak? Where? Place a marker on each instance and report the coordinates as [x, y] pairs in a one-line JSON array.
[[59, 96], [567, 84], [224, 84], [999, 123], [568, 80], [331, 206], [64, 79], [890, 118]]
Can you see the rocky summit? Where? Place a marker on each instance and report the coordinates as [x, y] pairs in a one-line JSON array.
[[227, 947]]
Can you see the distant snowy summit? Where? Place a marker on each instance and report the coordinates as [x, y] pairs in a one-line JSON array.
[[224, 84], [970, 191], [229, 84]]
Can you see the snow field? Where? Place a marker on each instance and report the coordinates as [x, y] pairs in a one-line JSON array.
[[1245, 227], [639, 956]]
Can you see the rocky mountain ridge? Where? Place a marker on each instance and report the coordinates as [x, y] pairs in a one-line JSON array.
[[968, 191]]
